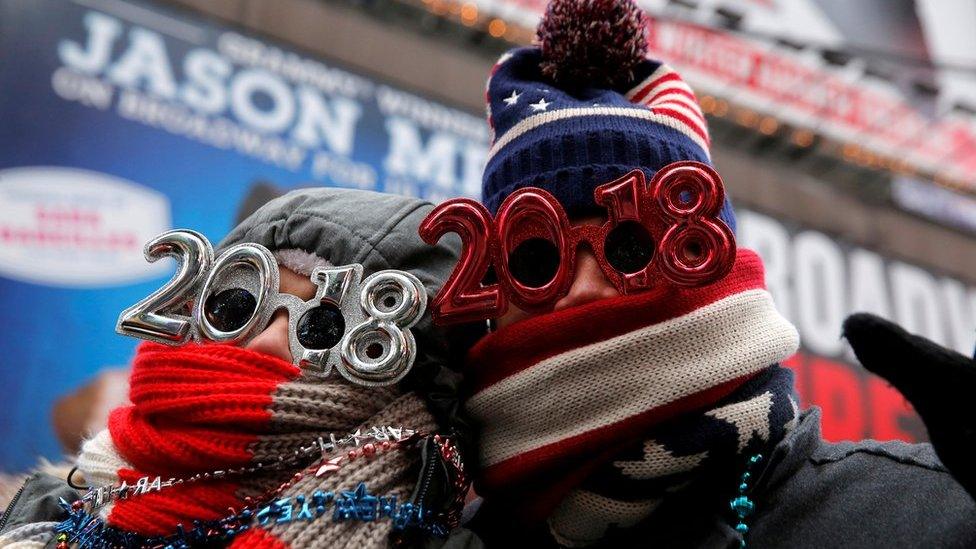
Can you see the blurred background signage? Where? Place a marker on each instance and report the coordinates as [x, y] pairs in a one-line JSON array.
[[817, 282]]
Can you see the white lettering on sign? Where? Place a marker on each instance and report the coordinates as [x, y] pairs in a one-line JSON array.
[[430, 115], [145, 62], [817, 282], [332, 122], [917, 302], [408, 154], [818, 271], [272, 105], [434, 161], [93, 57], [204, 90], [84, 89], [960, 311], [869, 288], [280, 109]]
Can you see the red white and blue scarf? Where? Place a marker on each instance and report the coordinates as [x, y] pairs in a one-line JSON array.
[[624, 392]]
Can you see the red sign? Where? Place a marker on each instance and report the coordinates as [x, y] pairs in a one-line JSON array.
[[854, 403], [838, 102], [812, 95]]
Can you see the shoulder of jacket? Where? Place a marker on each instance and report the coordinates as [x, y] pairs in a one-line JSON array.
[[920, 455], [37, 501]]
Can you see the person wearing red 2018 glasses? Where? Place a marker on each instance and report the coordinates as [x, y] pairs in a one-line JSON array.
[[630, 392]]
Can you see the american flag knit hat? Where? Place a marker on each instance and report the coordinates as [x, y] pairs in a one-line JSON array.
[[586, 106]]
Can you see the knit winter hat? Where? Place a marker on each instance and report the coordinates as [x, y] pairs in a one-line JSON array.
[[586, 106]]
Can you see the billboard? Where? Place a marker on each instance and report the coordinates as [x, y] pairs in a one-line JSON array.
[[122, 120]]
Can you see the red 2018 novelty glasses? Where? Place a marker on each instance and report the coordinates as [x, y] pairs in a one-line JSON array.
[[658, 233]]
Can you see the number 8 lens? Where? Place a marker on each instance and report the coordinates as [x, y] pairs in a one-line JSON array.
[[381, 349]]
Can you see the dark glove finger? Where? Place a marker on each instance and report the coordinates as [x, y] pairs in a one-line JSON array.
[[940, 384]]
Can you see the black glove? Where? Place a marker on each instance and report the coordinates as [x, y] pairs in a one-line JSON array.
[[940, 384]]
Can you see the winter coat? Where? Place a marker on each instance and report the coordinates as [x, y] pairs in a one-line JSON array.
[[35, 508], [812, 493]]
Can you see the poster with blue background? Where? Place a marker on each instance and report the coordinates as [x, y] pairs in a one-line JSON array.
[[120, 120]]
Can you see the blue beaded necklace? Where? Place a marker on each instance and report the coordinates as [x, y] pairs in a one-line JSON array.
[[742, 504], [91, 532]]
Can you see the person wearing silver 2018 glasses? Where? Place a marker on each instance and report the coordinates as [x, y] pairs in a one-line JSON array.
[[292, 392]]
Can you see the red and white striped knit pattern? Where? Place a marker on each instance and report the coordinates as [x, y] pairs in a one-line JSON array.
[[200, 408], [666, 94], [548, 416]]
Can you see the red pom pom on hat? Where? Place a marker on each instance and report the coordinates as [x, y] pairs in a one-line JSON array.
[[592, 43]]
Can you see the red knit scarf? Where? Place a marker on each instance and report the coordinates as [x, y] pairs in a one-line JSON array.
[[199, 409], [195, 408], [561, 393]]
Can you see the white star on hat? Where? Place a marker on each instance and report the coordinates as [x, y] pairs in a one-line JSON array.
[[512, 99], [540, 106]]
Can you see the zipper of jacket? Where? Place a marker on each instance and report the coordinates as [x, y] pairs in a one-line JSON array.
[[13, 503], [428, 472]]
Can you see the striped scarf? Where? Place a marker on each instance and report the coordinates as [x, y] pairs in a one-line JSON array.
[[561, 397], [200, 408]]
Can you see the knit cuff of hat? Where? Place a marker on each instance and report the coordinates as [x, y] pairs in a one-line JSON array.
[[552, 159]]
